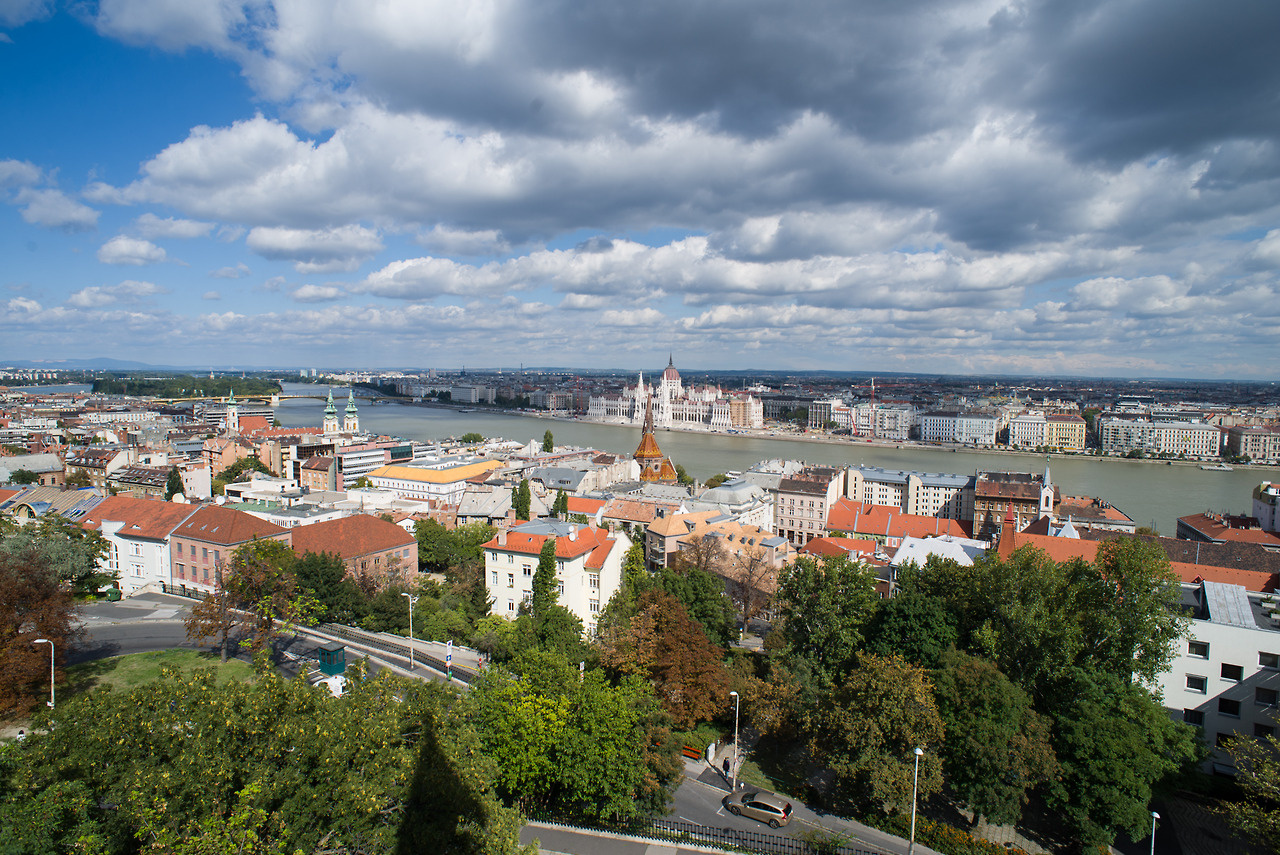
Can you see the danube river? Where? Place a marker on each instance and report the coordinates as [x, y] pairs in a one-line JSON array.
[[1154, 494]]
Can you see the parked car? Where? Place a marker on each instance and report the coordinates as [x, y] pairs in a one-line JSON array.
[[757, 804]]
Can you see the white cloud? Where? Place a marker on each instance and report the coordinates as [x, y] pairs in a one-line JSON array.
[[240, 271], [317, 293], [445, 240], [317, 250], [52, 209], [127, 250], [211, 295], [23, 305], [15, 13], [18, 173], [128, 291], [150, 226]]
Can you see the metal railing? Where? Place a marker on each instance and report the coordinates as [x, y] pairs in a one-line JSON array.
[[731, 839]]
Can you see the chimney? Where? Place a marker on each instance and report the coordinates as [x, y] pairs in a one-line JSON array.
[[502, 537]]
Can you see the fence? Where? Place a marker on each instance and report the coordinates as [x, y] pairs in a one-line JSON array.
[[680, 831]]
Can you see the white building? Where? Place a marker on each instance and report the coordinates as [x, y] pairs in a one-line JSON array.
[[1225, 679], [1266, 498], [1028, 430], [137, 532], [962, 428], [442, 480], [925, 494], [588, 566], [1190, 439]]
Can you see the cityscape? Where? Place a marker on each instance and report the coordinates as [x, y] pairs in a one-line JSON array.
[[180, 478], [513, 427]]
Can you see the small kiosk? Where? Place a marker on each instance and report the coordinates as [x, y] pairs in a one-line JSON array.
[[333, 659]]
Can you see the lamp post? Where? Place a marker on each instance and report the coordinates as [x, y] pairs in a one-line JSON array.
[[736, 701], [1154, 817], [915, 780], [50, 643], [413, 601]]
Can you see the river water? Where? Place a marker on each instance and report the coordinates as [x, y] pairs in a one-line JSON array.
[[1152, 493]]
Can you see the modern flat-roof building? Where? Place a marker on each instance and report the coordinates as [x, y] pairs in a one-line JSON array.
[[929, 494]]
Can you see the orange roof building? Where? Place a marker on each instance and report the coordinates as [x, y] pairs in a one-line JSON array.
[[886, 524], [137, 531], [588, 566], [371, 547]]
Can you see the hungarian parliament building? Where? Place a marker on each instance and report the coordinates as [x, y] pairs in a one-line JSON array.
[[674, 406]]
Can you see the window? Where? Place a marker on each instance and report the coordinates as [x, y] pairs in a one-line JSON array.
[[511, 605], [1261, 730], [1198, 649], [593, 580], [494, 577], [1193, 717], [1266, 697], [511, 580], [1196, 684], [136, 548], [1223, 740], [1268, 660], [560, 588], [1232, 672], [182, 572], [528, 571], [594, 606], [217, 555], [511, 559], [1228, 707], [179, 547], [204, 553]]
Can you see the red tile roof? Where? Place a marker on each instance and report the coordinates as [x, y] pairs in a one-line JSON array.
[[580, 505], [1213, 527], [214, 524], [150, 519], [595, 541], [853, 547], [887, 521], [351, 537]]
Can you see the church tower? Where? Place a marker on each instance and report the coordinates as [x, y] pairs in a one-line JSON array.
[[351, 421], [655, 467], [330, 417], [233, 415]]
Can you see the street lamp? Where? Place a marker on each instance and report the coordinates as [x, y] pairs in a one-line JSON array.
[[736, 701], [50, 643], [413, 601], [1154, 817], [915, 780]]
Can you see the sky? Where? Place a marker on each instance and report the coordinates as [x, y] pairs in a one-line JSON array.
[[1087, 187]]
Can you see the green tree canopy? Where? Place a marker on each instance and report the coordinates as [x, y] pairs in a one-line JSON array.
[[867, 728], [472, 437], [323, 576], [548, 442], [997, 747], [914, 626], [276, 764], [173, 486], [33, 604], [561, 506], [521, 499], [824, 605], [24, 476], [73, 553], [546, 590]]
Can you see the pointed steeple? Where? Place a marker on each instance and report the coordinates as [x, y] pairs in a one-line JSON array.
[[351, 402], [329, 408], [330, 416]]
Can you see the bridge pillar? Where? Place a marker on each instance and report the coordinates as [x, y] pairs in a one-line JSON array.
[[275, 399]]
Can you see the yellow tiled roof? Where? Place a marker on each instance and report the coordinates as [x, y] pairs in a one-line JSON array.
[[436, 476]]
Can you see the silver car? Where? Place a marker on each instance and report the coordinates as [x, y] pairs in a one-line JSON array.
[[757, 804]]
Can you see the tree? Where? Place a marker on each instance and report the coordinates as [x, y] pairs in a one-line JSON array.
[[245, 464], [683, 478], [323, 577], [751, 581], [545, 586], [824, 606], [661, 641], [868, 727], [703, 596], [574, 747], [362, 483], [273, 765], [704, 552], [520, 499], [24, 476], [1114, 741], [79, 479], [174, 485], [561, 507], [471, 438], [914, 626], [73, 553], [1257, 814], [548, 442], [716, 480], [997, 748], [33, 604], [257, 593]]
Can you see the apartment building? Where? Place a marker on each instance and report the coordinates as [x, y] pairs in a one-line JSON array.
[[804, 499], [958, 427], [930, 494], [1188, 439]]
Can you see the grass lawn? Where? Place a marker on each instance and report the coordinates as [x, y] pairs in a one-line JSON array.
[[126, 672]]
